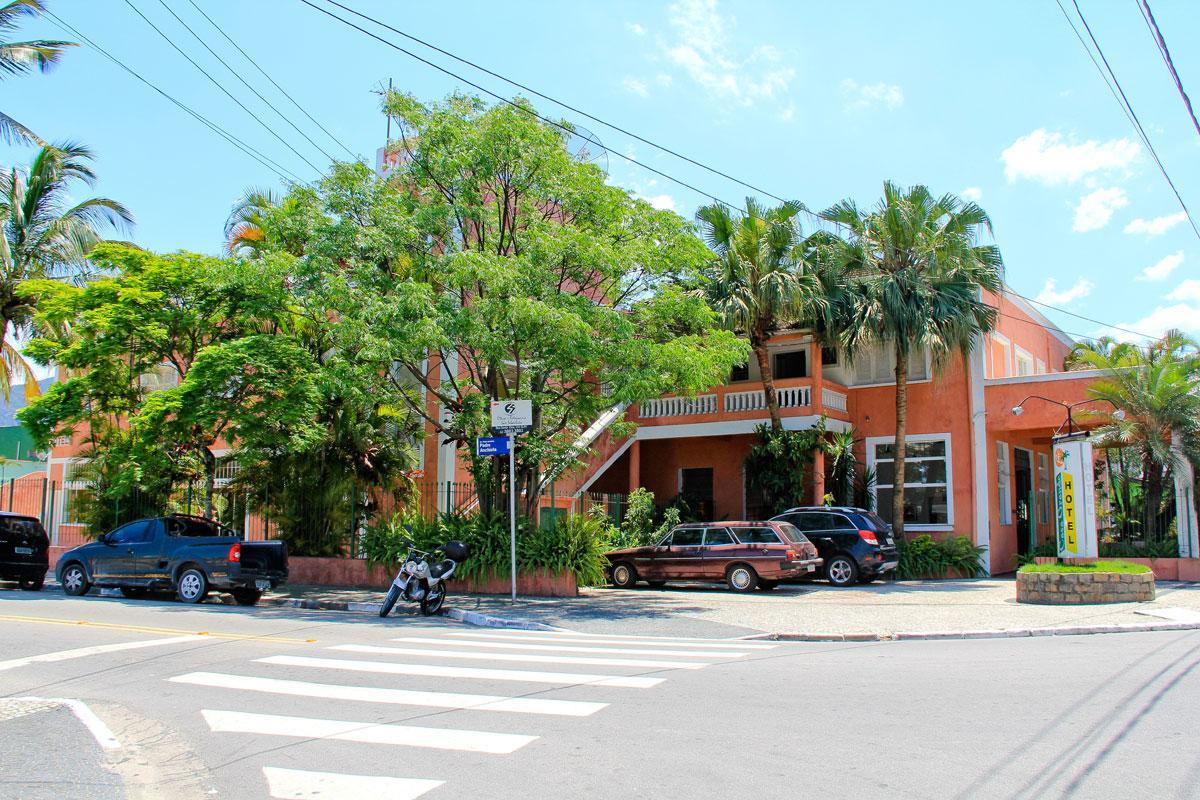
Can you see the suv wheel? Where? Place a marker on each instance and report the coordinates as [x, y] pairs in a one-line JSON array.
[[624, 576], [192, 586], [74, 581], [741, 578], [841, 570]]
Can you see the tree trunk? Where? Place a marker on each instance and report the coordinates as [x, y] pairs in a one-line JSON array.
[[1152, 491], [768, 381], [899, 446], [210, 479]]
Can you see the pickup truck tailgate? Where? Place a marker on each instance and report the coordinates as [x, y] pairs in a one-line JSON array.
[[265, 558]]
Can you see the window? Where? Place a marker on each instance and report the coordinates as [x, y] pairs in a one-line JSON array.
[[1040, 368], [1043, 489], [715, 536], [791, 365], [1003, 481], [164, 376], [1001, 360], [927, 479], [792, 533], [824, 521], [134, 532], [688, 537], [740, 372], [877, 365], [829, 357], [1024, 361], [756, 535]]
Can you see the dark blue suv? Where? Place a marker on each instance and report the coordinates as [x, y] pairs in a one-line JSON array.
[[856, 544]]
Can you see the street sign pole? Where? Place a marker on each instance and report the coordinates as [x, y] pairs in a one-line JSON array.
[[512, 515]]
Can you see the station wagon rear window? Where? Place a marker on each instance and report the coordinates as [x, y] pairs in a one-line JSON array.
[[715, 536], [792, 533], [756, 535]]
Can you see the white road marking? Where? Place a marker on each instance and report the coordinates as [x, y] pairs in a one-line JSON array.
[[628, 641], [368, 694], [100, 732], [299, 784], [1172, 613], [537, 658], [439, 671], [570, 648], [83, 652], [366, 732]]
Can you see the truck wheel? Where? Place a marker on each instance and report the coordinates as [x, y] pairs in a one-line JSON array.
[[246, 597], [74, 581], [389, 601], [33, 584], [192, 586]]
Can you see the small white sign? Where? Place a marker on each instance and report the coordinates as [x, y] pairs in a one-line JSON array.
[[512, 416]]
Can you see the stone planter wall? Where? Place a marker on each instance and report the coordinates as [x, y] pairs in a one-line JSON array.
[[1074, 588]]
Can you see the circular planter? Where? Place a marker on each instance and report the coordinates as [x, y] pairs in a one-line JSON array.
[[1079, 588]]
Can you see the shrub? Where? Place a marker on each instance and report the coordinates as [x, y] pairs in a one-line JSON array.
[[926, 557], [777, 464], [1123, 567], [644, 524]]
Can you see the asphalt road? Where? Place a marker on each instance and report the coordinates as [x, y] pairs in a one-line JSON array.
[[280, 702]]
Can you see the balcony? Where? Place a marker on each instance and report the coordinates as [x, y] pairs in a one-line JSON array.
[[745, 401]]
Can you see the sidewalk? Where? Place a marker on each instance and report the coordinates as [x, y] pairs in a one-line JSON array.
[[929, 609]]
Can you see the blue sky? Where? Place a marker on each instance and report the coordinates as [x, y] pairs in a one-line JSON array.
[[812, 101]]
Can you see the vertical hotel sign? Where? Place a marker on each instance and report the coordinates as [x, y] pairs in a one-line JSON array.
[[1074, 497]]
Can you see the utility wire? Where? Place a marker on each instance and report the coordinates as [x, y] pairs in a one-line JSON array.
[[1081, 316], [560, 103], [1128, 107], [282, 91], [217, 83], [235, 74], [1152, 25], [515, 105], [286, 175]]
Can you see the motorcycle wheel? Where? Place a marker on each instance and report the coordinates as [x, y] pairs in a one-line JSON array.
[[389, 601], [431, 603]]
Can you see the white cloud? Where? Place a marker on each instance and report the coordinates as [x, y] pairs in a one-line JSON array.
[[972, 193], [860, 97], [1181, 316], [1096, 209], [635, 86], [1156, 226], [635, 29], [1044, 157], [663, 202], [1161, 269], [1050, 294], [702, 50], [789, 113], [1187, 291]]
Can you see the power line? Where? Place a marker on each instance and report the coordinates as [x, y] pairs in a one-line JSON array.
[[282, 91], [1128, 107], [560, 103], [1081, 316], [243, 81], [217, 83], [516, 105], [281, 171], [1152, 25]]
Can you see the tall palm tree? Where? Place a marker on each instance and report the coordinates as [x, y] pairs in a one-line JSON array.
[[914, 270], [245, 230], [21, 57], [759, 279], [44, 237]]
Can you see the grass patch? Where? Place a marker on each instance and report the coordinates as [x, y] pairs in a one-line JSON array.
[[1125, 567]]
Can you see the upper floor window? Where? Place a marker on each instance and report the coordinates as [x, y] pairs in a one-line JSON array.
[[164, 376], [740, 372], [793, 364], [878, 365]]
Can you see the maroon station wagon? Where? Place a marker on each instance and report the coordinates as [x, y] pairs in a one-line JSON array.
[[746, 555]]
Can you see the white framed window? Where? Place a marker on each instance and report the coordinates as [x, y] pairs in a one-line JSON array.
[[164, 376], [1040, 367], [1023, 360], [876, 366], [1043, 489], [1004, 483], [928, 480], [1001, 366]]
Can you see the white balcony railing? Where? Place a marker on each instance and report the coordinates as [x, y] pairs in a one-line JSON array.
[[756, 400], [679, 406], [832, 399]]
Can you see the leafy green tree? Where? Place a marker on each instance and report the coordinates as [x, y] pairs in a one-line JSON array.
[[494, 251], [914, 269], [17, 58], [759, 280], [46, 235]]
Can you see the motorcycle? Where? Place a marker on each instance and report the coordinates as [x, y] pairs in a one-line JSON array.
[[422, 577]]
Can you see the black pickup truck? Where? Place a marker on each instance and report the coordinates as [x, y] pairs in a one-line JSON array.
[[186, 554]]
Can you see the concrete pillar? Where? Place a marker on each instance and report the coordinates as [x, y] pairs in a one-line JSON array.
[[818, 478], [818, 380], [635, 465]]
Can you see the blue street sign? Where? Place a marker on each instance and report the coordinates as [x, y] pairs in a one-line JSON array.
[[491, 446]]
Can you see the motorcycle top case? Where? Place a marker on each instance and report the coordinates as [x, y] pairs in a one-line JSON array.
[[457, 551]]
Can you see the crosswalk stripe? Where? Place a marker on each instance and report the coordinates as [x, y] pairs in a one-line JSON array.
[[94, 650], [538, 658], [440, 671], [369, 694], [589, 638], [365, 732], [300, 784], [567, 648]]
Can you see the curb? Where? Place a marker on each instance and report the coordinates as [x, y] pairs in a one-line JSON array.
[[1009, 633]]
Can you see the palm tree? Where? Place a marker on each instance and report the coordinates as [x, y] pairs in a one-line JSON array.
[[21, 57], [1158, 389], [44, 237], [914, 270], [245, 230], [759, 279]]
